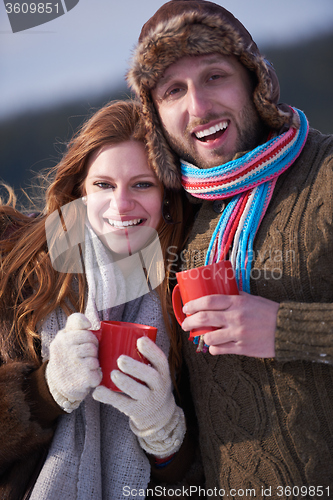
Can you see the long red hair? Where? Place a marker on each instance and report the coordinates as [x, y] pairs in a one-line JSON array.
[[30, 288]]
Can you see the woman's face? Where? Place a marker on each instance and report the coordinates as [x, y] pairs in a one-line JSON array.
[[123, 197]]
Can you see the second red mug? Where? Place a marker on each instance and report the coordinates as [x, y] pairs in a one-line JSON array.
[[213, 279]]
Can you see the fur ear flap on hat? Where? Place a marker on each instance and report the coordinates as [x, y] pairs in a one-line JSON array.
[[161, 158], [183, 28]]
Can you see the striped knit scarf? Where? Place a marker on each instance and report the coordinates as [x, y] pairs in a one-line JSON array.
[[249, 181]]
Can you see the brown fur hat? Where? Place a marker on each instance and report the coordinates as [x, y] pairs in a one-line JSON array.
[[183, 28]]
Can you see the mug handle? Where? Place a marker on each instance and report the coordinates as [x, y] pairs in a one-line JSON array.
[[177, 305]]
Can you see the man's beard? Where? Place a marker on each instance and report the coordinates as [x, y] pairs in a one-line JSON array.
[[249, 137]]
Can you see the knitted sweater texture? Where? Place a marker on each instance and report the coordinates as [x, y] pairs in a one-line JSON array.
[[268, 423]]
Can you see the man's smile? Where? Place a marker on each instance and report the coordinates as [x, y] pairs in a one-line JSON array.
[[213, 132]]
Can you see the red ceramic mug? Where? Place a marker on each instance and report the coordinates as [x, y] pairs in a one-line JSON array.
[[213, 279], [116, 338]]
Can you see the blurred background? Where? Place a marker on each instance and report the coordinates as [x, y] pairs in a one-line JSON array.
[[55, 75]]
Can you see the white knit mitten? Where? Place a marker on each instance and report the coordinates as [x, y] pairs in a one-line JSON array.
[[155, 418], [73, 367]]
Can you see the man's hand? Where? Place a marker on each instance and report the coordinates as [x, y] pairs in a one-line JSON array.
[[246, 323]]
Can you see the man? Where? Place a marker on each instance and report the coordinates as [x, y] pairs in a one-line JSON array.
[[263, 392]]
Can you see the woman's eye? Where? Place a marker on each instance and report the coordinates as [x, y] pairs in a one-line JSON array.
[[103, 185], [143, 185]]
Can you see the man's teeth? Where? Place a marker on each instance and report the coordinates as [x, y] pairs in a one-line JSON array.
[[211, 130], [125, 223]]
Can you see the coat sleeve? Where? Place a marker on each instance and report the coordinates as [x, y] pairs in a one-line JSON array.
[[27, 413], [294, 255], [304, 332], [305, 317]]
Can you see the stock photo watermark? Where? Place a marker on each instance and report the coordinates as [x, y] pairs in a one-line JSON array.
[[199, 492], [270, 262], [26, 14]]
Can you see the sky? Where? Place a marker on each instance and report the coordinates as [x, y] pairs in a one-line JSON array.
[[87, 50]]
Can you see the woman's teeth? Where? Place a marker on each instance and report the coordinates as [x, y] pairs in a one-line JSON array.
[[125, 223], [211, 130]]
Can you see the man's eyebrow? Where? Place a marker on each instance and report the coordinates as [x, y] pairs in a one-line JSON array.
[[215, 58], [163, 80]]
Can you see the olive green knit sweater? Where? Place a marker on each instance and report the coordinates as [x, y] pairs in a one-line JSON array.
[[268, 423]]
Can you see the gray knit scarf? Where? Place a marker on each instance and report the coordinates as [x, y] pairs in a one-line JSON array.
[[94, 455]]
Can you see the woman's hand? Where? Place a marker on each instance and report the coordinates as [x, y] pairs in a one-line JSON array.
[[154, 416], [73, 368]]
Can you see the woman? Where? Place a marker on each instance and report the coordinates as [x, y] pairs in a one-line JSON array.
[[102, 209]]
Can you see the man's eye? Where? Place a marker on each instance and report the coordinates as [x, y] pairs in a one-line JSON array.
[[215, 77], [173, 92]]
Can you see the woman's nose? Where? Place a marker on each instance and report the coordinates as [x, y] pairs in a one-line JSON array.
[[123, 201]]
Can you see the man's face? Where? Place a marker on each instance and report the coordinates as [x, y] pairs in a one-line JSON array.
[[206, 109]]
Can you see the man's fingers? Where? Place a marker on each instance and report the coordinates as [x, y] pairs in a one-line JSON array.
[[209, 303], [227, 348], [219, 337], [245, 324], [204, 319]]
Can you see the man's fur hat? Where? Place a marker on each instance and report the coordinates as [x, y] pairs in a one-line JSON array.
[[183, 28]]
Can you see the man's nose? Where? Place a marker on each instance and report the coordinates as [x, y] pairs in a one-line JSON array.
[[198, 101]]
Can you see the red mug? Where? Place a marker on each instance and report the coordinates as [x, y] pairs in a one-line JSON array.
[[213, 279], [116, 338]]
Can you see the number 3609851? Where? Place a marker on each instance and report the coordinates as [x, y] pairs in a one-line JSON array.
[[32, 8]]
